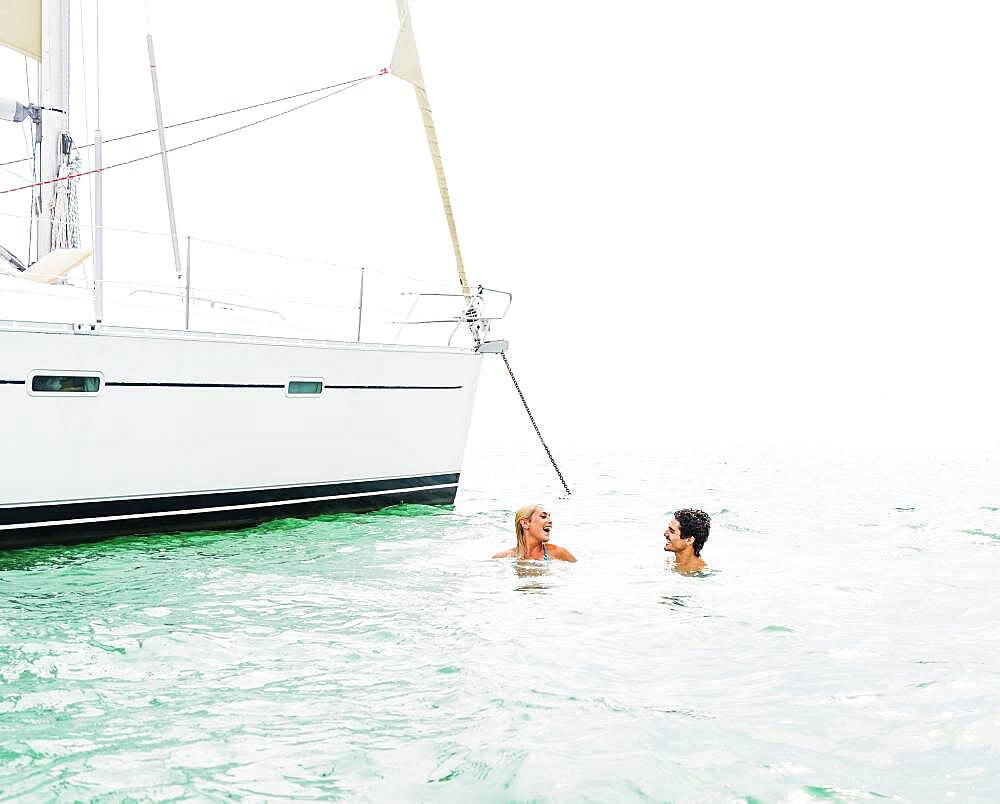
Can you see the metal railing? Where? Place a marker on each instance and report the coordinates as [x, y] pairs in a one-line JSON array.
[[471, 314], [139, 303]]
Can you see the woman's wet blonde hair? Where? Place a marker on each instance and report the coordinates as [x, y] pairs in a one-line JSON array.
[[524, 512]]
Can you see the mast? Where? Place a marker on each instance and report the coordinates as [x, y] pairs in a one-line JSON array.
[[406, 65], [53, 82]]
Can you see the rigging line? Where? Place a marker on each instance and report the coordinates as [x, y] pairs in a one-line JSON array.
[[27, 94], [221, 114], [64, 221], [86, 114], [89, 284], [418, 279], [166, 309], [12, 173], [347, 266], [309, 261], [236, 294], [533, 424], [27, 148], [290, 258], [328, 334], [193, 142], [97, 56], [35, 201]]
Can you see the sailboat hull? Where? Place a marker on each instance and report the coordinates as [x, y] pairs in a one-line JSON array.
[[190, 431]]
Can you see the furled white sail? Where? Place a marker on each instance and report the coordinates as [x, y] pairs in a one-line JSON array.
[[406, 65], [21, 26], [405, 61]]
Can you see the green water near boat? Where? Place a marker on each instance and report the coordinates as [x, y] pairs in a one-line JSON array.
[[842, 648]]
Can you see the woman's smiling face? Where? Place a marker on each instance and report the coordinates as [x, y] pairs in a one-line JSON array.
[[539, 525]]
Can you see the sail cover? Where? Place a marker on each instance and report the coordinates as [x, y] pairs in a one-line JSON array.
[[21, 26]]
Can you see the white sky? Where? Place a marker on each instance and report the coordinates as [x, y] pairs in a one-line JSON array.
[[723, 222]]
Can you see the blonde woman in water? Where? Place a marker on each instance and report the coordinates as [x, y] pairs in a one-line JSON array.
[[532, 524]]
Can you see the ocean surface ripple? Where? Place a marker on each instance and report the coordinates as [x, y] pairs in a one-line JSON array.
[[843, 646]]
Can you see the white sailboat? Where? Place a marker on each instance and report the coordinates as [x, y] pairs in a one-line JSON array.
[[110, 429]]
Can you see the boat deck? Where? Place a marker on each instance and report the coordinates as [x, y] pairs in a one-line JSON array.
[[53, 328]]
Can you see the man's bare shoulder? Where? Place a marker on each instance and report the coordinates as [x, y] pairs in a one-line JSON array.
[[506, 554]]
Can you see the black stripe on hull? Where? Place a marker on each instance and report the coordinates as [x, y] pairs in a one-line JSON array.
[[272, 386], [215, 511], [122, 384]]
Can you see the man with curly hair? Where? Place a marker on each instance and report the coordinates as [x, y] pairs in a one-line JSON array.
[[686, 535]]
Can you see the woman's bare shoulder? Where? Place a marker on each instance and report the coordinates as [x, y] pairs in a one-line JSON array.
[[506, 553], [561, 553]]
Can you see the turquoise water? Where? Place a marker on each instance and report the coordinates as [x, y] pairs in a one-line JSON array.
[[844, 647]]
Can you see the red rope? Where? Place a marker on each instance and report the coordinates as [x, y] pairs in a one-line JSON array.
[[343, 88], [346, 84]]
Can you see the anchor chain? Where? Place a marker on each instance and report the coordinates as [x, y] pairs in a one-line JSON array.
[[538, 432]]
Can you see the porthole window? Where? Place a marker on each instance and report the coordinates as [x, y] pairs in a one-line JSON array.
[[304, 387], [51, 383]]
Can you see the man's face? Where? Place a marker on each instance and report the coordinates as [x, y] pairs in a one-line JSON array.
[[672, 534]]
